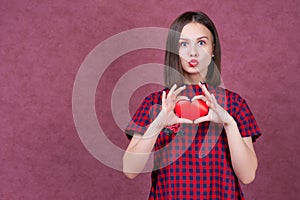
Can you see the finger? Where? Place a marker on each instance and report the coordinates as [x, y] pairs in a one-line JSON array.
[[171, 96], [182, 98], [163, 98], [173, 88], [201, 119], [204, 89], [202, 97], [208, 103], [178, 90], [214, 100], [184, 121]]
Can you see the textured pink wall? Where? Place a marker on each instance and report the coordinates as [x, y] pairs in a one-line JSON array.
[[43, 43]]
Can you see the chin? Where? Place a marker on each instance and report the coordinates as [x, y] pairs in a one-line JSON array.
[[192, 70]]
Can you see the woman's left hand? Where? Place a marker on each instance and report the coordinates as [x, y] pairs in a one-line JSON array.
[[216, 112]]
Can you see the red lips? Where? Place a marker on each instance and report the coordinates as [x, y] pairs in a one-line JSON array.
[[191, 110], [193, 63]]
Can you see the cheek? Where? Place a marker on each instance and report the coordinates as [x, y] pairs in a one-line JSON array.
[[183, 55], [205, 58], [204, 51], [183, 52]]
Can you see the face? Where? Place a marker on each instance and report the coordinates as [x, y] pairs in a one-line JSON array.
[[195, 51]]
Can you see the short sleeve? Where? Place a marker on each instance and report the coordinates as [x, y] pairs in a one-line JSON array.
[[246, 122], [143, 116]]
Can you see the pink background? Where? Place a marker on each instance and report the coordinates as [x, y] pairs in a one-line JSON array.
[[42, 45]]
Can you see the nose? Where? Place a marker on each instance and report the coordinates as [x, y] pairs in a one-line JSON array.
[[193, 51]]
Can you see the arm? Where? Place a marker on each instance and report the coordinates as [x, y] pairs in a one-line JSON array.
[[140, 147], [243, 157]]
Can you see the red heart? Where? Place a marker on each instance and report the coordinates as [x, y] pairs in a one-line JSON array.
[[191, 110]]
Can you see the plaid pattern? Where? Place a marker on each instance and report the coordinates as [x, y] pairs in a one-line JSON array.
[[193, 161]]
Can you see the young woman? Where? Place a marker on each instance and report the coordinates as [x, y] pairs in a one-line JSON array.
[[195, 158]]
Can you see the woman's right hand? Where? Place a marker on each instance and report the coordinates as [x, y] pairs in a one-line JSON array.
[[140, 147], [167, 117]]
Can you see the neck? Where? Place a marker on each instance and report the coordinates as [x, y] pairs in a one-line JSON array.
[[193, 79]]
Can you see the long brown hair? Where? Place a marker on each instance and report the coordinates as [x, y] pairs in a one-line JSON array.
[[173, 72]]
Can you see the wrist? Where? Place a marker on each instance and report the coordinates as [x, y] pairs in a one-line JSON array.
[[229, 122], [159, 122]]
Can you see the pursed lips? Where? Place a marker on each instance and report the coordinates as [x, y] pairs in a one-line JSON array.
[[193, 63]]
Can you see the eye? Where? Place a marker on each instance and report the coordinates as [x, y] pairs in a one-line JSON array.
[[201, 43], [183, 44]]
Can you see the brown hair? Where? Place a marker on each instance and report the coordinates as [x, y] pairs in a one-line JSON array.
[[173, 69]]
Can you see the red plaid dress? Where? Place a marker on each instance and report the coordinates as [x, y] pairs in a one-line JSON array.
[[193, 161]]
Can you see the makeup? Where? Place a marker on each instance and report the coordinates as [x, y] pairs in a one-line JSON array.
[[193, 63]]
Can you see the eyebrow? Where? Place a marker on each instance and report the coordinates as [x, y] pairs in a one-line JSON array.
[[182, 38]]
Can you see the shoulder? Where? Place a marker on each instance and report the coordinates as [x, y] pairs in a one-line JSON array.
[[155, 97], [232, 98], [236, 103]]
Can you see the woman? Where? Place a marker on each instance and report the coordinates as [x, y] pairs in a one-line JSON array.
[[195, 158]]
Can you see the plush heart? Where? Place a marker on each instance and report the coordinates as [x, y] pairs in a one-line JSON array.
[[191, 110]]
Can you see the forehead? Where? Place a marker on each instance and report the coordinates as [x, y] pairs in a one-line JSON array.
[[195, 30]]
